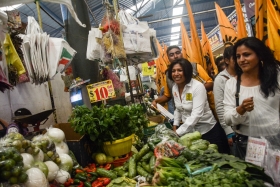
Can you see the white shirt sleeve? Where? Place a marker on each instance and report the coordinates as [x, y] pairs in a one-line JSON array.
[[218, 90], [231, 116], [199, 99], [177, 118]]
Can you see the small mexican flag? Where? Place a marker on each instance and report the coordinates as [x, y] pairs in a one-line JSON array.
[[67, 54]]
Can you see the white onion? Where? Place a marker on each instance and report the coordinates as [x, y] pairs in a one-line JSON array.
[[56, 135], [62, 176], [36, 178], [28, 160], [53, 170], [61, 148], [66, 162], [39, 156]]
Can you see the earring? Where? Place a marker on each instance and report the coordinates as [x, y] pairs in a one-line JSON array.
[[262, 63]]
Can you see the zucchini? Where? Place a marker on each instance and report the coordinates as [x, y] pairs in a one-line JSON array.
[[145, 149], [152, 162], [106, 173], [147, 156], [132, 168]]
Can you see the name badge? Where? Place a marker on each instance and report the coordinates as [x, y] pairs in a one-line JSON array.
[[188, 97]]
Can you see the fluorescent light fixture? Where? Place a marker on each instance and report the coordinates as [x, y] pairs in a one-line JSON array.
[[173, 37], [175, 29], [13, 7], [175, 1], [177, 20], [177, 11], [174, 43]]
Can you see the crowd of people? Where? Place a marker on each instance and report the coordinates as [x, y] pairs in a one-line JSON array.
[[246, 95]]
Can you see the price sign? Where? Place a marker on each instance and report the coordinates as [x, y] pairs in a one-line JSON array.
[[101, 91], [146, 70]]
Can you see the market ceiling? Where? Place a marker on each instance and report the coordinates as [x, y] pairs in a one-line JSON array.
[[162, 15]]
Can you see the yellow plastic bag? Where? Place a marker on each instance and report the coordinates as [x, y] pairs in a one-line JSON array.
[[12, 56]]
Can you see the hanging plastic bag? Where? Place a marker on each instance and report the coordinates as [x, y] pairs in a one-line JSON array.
[[93, 48]]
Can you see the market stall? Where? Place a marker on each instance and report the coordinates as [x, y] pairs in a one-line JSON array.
[[109, 144]]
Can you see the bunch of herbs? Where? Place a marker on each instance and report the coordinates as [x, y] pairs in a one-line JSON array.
[[109, 123]]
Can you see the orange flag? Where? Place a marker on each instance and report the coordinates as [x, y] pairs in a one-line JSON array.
[[227, 31], [241, 27], [165, 57], [207, 50], [261, 19], [161, 67], [273, 28], [186, 44], [197, 54]]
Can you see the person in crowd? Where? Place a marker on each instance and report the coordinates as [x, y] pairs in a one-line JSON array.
[[192, 108], [152, 93], [210, 69], [221, 66], [17, 126], [219, 86], [219, 60], [3, 127], [257, 81], [174, 53]]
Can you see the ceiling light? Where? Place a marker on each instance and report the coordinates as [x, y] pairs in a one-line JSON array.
[[177, 20], [177, 11], [174, 43], [175, 29]]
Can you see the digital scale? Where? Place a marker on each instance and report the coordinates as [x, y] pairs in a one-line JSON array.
[[79, 94]]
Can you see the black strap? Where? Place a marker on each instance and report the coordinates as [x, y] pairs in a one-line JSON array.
[[225, 77], [238, 82]]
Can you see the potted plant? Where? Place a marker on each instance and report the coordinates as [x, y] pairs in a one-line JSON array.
[[108, 125]]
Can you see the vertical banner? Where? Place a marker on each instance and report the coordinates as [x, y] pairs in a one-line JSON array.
[[250, 8]]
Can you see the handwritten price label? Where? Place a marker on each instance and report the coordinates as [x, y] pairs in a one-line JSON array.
[[146, 70], [101, 91]]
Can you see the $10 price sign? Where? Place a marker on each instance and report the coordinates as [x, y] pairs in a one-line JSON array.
[[101, 91]]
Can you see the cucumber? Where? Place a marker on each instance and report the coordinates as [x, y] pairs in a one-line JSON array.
[[145, 149], [132, 168], [106, 173], [152, 162], [147, 156]]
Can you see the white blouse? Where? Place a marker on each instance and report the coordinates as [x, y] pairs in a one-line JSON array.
[[192, 109], [265, 117]]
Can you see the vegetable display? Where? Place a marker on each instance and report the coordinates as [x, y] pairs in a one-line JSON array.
[[104, 124]]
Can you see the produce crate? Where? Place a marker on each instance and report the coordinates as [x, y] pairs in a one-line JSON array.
[[116, 101], [151, 130], [80, 145]]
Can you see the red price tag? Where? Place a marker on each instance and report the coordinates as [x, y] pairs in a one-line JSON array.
[[101, 91]]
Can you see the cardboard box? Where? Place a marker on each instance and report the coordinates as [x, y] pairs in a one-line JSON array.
[[156, 119], [80, 145]]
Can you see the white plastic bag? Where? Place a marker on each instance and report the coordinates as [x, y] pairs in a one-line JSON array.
[[136, 38], [94, 48]]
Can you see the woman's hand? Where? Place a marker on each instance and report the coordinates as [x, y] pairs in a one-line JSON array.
[[246, 106]]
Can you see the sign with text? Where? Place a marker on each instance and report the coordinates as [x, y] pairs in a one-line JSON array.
[[101, 91], [147, 70], [256, 151]]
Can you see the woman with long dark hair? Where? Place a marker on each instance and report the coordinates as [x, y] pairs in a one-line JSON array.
[[192, 108], [219, 87], [251, 99]]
